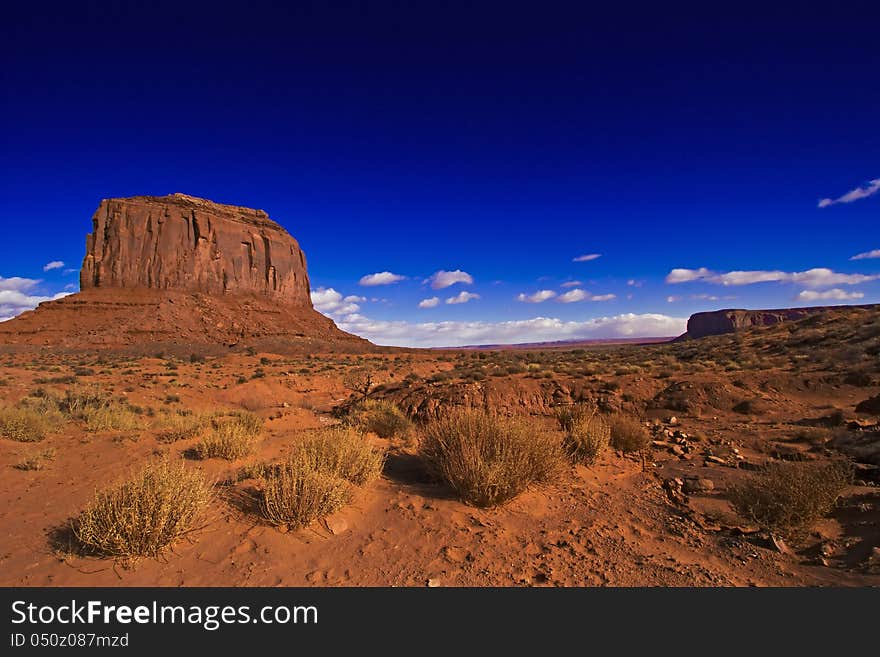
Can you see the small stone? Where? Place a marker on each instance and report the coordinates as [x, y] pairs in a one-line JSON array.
[[698, 485], [433, 582], [337, 526]]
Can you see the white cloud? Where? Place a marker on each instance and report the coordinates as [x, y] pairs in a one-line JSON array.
[[538, 329], [673, 299], [15, 302], [443, 279], [353, 298], [462, 297], [587, 257], [330, 302], [816, 277], [432, 302], [579, 295], [538, 297], [572, 296], [856, 194], [867, 255], [634, 283], [380, 278], [835, 294], [687, 275], [571, 284], [55, 264], [17, 283]]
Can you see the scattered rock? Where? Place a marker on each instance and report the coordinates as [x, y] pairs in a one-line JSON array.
[[336, 526], [433, 583], [870, 405], [698, 485]]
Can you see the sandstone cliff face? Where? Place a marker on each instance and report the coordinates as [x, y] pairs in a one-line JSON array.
[[180, 242], [727, 321]]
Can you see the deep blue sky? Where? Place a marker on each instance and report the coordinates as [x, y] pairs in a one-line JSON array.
[[499, 139]]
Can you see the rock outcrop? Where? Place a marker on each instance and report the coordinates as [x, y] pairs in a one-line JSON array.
[[718, 322], [177, 272], [180, 242]]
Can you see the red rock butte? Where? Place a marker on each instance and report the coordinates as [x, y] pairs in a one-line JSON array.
[[180, 270], [185, 243]]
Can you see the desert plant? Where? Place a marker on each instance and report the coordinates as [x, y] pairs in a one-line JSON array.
[[587, 437], [488, 459], [360, 380], [791, 493], [295, 494], [342, 452], [629, 434], [317, 477], [227, 441], [113, 417], [143, 515], [27, 425], [381, 417], [35, 460], [177, 426]]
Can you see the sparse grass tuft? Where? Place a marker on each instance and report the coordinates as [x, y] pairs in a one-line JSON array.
[[231, 437], [382, 418], [317, 478], [27, 425], [36, 460], [113, 417], [489, 459], [792, 493], [295, 494], [143, 515], [629, 434], [344, 453], [587, 438]]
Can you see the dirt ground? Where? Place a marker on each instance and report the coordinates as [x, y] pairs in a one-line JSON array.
[[624, 521]]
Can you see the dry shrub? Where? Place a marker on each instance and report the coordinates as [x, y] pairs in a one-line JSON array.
[[488, 459], [317, 478], [176, 426], [587, 438], [113, 417], [629, 434], [344, 453], [382, 418], [143, 515], [27, 425], [78, 400], [35, 460], [294, 494], [231, 437], [791, 493]]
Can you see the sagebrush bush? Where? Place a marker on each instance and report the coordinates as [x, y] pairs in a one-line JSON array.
[[343, 452], [295, 494], [27, 425], [176, 426], [228, 441], [629, 434], [487, 459], [113, 417], [317, 477], [143, 515], [791, 493], [383, 418], [587, 438]]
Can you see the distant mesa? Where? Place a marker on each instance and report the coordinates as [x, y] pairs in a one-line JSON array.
[[179, 270], [718, 322]]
